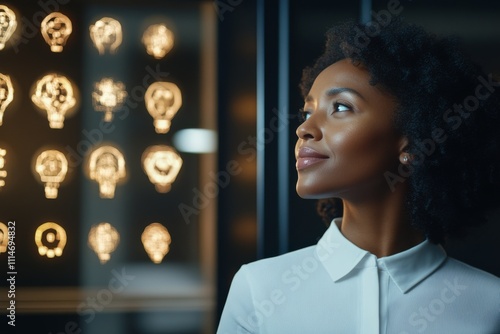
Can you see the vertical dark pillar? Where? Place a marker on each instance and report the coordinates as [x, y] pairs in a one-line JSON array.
[[272, 127]]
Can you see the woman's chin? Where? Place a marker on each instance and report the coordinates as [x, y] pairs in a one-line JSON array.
[[307, 193]]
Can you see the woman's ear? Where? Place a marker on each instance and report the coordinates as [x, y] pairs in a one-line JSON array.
[[403, 144], [404, 156]]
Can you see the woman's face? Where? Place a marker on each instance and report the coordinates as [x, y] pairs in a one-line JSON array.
[[348, 139]]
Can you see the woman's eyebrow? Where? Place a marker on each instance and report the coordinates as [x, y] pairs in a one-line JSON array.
[[338, 90], [335, 91]]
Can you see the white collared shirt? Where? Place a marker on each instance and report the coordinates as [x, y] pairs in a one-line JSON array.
[[337, 287]]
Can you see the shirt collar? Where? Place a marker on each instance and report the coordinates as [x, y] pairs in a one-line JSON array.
[[340, 256]]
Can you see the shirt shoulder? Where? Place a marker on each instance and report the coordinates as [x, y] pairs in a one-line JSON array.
[[279, 263], [256, 287], [474, 275], [477, 290]]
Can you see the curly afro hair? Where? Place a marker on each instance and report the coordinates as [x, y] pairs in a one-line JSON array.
[[449, 111]]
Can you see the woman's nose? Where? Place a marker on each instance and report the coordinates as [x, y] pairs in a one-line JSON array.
[[309, 129]]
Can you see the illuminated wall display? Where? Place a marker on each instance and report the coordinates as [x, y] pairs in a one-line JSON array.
[[108, 96], [107, 167], [6, 94], [106, 34], [163, 100], [103, 239], [55, 94], [158, 40], [96, 100], [8, 25], [4, 238], [50, 239], [156, 241], [52, 167], [3, 173], [56, 29]]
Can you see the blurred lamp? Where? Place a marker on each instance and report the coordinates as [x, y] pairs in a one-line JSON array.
[[158, 40], [108, 96], [107, 167], [106, 34], [6, 94], [162, 165], [156, 241], [163, 100], [3, 173], [8, 25], [52, 167], [54, 94], [50, 239], [103, 239], [56, 28], [4, 238]]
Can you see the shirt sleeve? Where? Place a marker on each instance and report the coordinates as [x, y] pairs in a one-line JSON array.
[[239, 308]]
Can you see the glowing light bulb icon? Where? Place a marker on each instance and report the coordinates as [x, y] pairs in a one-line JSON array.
[[3, 173], [163, 100], [56, 29], [106, 34], [156, 240], [54, 94], [8, 25], [162, 165], [4, 238], [52, 167], [6, 94], [103, 239], [108, 96], [50, 239], [107, 167], [158, 40]]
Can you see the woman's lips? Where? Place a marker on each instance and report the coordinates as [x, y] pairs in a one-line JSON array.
[[307, 157]]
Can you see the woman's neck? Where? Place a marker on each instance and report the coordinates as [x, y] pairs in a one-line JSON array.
[[380, 226]]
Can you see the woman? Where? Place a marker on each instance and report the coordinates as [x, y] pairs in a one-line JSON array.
[[400, 141]]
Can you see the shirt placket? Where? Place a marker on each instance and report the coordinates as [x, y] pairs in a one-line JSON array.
[[384, 282], [370, 303]]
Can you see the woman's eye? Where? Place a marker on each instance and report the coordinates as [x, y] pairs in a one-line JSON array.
[[338, 107], [304, 115]]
